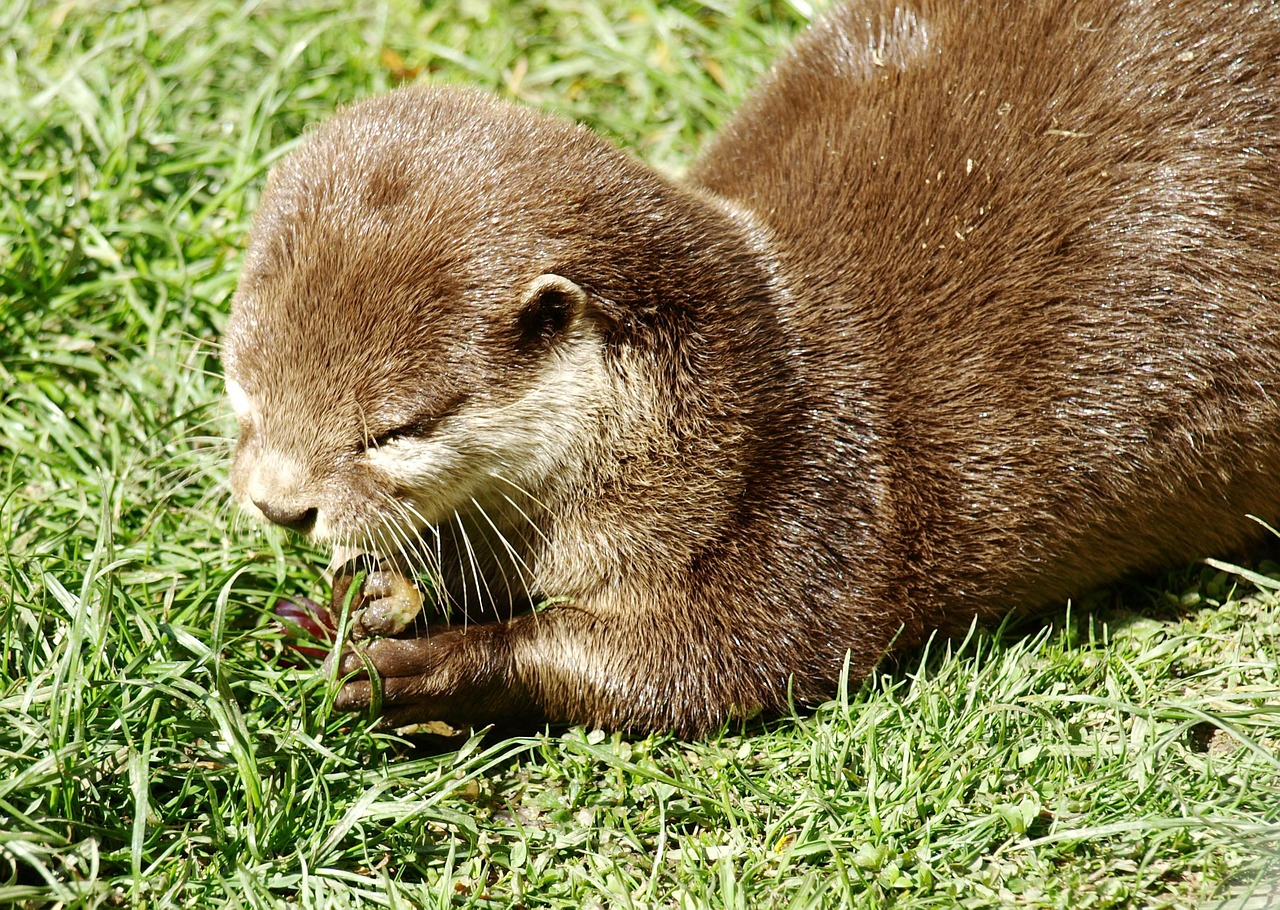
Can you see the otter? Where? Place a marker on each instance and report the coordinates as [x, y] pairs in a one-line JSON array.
[[970, 308]]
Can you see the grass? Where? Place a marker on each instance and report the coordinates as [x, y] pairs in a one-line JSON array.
[[154, 751]]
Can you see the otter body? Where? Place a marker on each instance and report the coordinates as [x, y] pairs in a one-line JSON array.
[[972, 307]]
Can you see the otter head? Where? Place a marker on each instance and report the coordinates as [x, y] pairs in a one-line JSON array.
[[436, 291]]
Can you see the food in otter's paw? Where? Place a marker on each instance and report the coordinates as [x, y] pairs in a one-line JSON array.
[[385, 603]]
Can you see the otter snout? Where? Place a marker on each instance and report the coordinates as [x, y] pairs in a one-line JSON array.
[[302, 520], [278, 488]]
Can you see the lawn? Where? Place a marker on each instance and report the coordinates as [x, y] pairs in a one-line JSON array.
[[156, 747]]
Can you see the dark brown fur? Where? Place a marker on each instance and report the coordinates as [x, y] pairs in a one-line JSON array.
[[972, 307]]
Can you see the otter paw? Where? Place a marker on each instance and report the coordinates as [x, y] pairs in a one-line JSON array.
[[456, 677]]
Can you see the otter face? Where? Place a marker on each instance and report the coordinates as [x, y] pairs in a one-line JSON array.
[[363, 423], [404, 346], [444, 302]]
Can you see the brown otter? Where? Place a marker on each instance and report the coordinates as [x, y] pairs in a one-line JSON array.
[[971, 307]]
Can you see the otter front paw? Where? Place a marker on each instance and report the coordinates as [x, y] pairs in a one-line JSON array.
[[459, 677]]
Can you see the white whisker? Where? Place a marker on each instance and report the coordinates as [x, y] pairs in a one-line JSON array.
[[525, 515], [476, 574], [523, 572]]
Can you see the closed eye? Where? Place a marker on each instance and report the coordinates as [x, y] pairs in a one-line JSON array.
[[418, 428]]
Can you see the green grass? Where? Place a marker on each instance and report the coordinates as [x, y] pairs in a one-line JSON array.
[[154, 751]]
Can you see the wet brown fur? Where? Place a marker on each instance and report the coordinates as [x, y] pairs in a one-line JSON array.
[[972, 307]]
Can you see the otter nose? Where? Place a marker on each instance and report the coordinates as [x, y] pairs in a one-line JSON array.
[[300, 520]]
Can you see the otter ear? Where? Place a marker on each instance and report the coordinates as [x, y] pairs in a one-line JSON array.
[[550, 305]]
